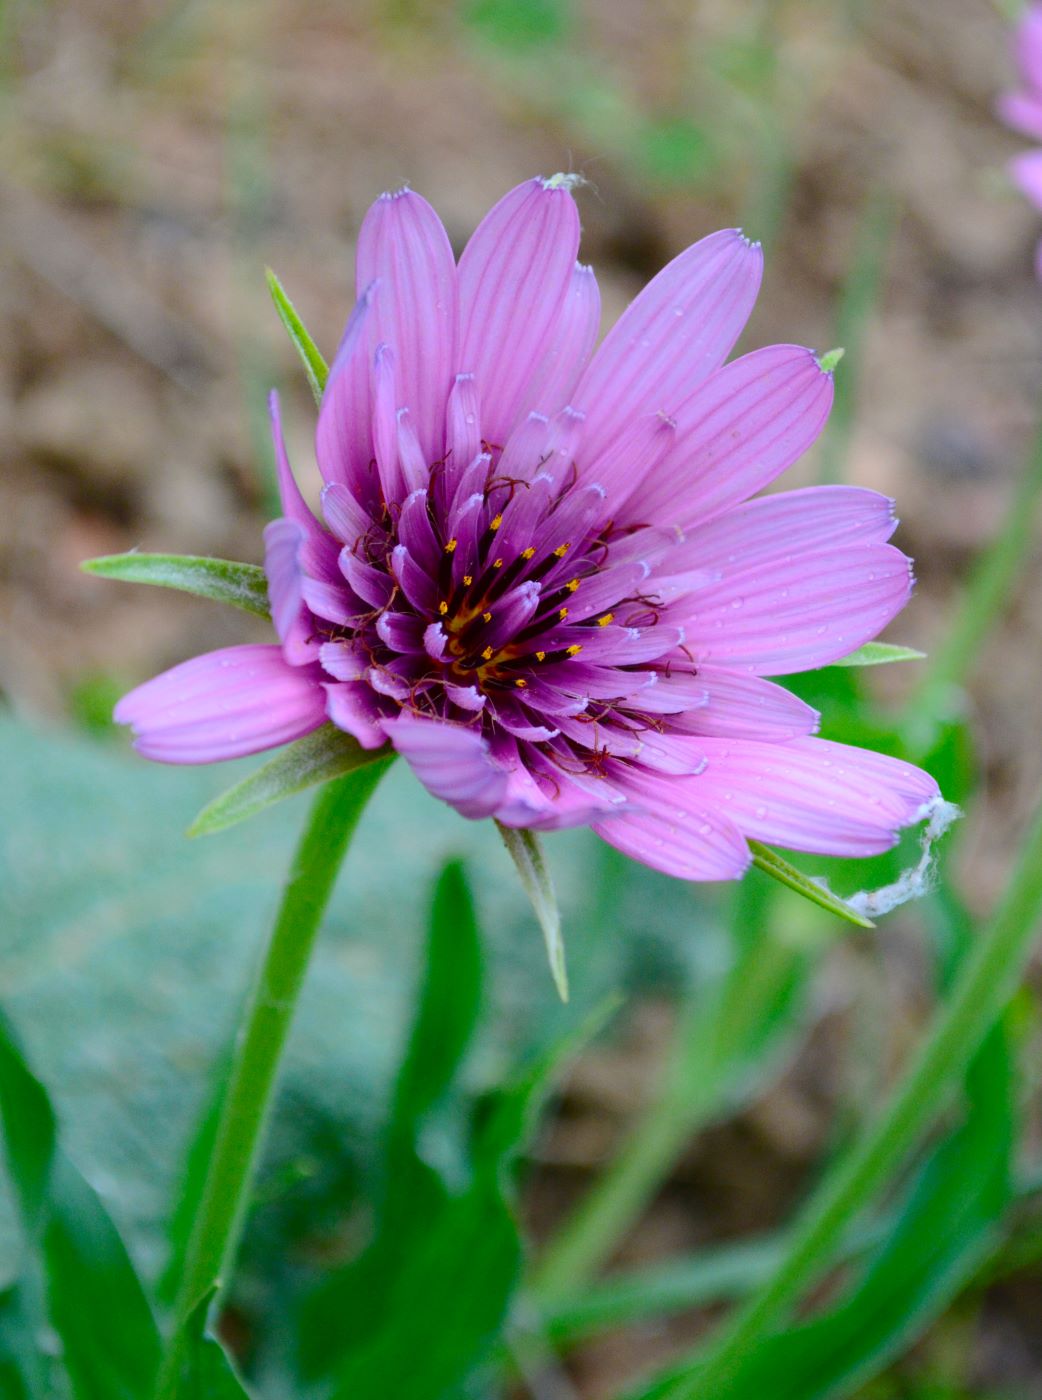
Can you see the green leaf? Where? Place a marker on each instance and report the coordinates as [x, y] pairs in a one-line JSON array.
[[207, 1373], [29, 1129], [527, 855], [879, 654], [317, 758], [449, 1002], [110, 1343], [315, 366], [243, 586], [771, 863]]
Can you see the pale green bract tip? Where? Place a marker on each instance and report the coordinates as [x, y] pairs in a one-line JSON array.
[[831, 359]]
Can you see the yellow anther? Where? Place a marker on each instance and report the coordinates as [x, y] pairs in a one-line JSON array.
[[486, 655], [603, 621], [572, 585], [562, 613], [573, 650], [540, 656], [468, 579], [497, 520], [486, 617], [562, 549], [520, 683], [443, 608], [527, 553], [450, 547], [497, 563]]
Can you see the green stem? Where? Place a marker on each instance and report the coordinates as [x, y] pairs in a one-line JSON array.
[[987, 593], [984, 984], [215, 1231]]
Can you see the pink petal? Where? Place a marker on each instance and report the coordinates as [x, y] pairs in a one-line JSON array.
[[514, 277], [344, 516], [744, 707], [385, 425], [675, 831], [354, 709], [674, 335], [1027, 46], [797, 612], [223, 704], [812, 795], [553, 803], [452, 762], [789, 523], [343, 441], [403, 244], [643, 449], [746, 425], [284, 542], [1023, 112], [1026, 173], [572, 345], [318, 548]]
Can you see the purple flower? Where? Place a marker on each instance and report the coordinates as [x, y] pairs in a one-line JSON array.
[[540, 575], [1022, 108]]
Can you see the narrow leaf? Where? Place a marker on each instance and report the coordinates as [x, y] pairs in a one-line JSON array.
[[527, 855], [29, 1131], [315, 366], [772, 864], [879, 654], [224, 580], [110, 1342], [207, 1373], [448, 1005], [317, 758]]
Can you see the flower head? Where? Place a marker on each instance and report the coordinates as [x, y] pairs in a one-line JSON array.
[[1021, 109], [540, 575]]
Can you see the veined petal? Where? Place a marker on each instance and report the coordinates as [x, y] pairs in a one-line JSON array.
[[403, 244], [798, 612], [453, 763], [742, 706], [283, 547], [746, 425], [343, 439], [674, 830], [224, 704], [514, 277], [354, 709], [318, 548], [680, 329], [813, 795], [572, 345], [789, 523]]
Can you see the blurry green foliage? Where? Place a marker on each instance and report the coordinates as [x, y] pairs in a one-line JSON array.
[[518, 25]]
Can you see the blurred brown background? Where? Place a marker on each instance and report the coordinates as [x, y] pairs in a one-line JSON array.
[[156, 156]]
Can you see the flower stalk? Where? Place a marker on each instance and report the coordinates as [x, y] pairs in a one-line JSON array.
[[215, 1232]]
